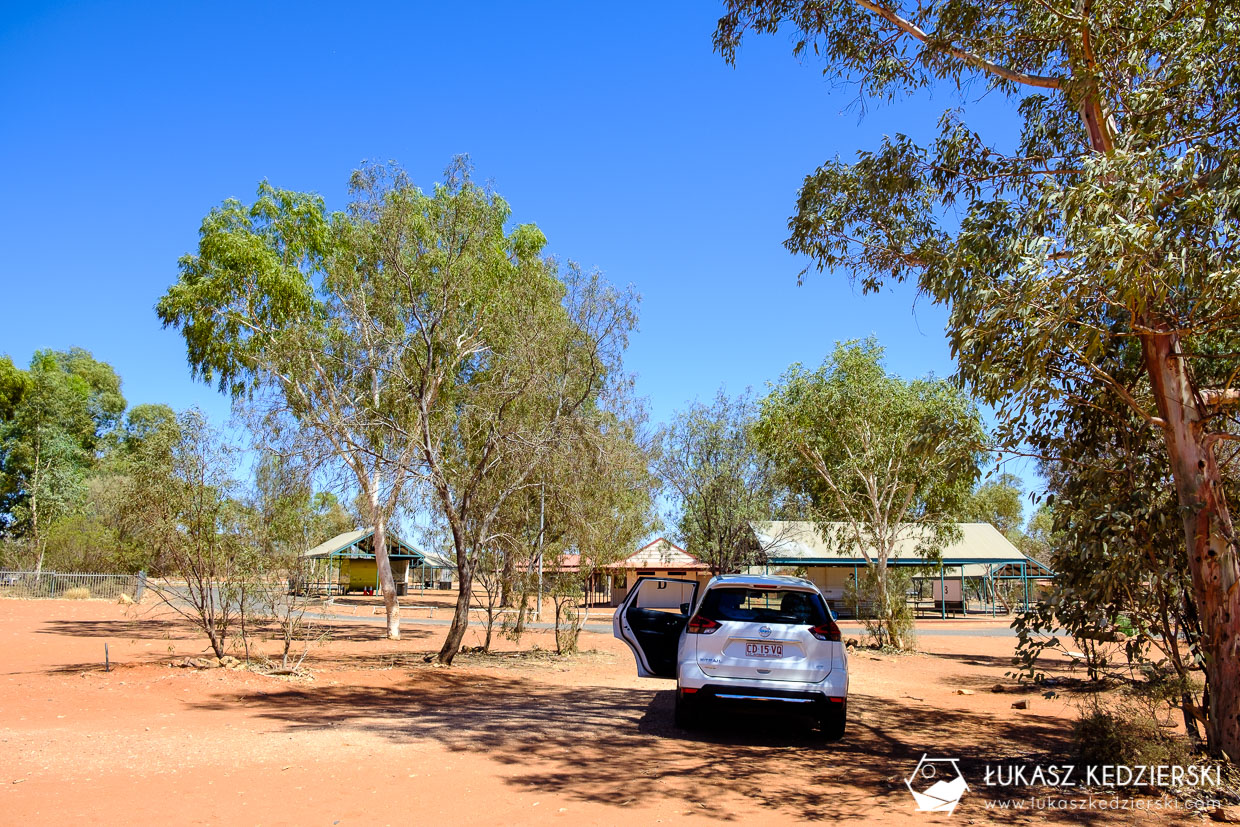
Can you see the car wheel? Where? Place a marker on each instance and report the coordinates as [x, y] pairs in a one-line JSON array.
[[688, 715], [831, 723]]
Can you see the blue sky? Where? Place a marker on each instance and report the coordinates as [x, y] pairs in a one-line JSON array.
[[622, 135]]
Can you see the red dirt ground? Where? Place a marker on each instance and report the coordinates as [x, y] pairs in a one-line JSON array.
[[380, 737]]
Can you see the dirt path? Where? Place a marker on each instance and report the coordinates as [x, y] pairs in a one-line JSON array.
[[380, 737]]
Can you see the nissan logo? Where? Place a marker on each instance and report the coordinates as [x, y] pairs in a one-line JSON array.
[[765, 631]]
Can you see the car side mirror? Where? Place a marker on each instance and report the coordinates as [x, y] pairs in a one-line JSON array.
[[684, 608]]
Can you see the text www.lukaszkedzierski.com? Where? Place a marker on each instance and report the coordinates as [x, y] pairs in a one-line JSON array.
[[1163, 804]]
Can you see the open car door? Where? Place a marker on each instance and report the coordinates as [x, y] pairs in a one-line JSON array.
[[650, 621]]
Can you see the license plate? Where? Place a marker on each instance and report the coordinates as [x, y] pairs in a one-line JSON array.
[[764, 650]]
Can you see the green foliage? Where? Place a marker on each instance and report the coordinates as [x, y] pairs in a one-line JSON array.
[[416, 337], [719, 479], [877, 458], [13, 384], [1114, 538], [1047, 248], [71, 456], [147, 422], [998, 502], [57, 417], [289, 515], [1039, 535], [66, 450], [253, 264], [280, 307], [501, 356], [104, 402], [565, 591], [185, 507], [1094, 247]]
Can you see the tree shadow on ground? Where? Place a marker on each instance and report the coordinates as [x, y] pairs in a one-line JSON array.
[[181, 629], [614, 745], [990, 661], [356, 633], [139, 629], [1007, 673]]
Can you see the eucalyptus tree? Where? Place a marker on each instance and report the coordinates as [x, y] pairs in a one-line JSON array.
[[184, 500], [882, 460], [291, 515], [999, 502], [275, 308], [1112, 216], [1121, 582], [13, 383], [719, 479], [498, 348], [1039, 534], [59, 414], [1111, 534], [604, 502], [593, 502]]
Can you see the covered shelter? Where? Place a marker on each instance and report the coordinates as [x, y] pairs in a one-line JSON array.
[[981, 572], [597, 588], [347, 563]]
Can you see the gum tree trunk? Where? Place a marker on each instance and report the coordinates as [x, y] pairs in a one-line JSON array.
[[1208, 535], [387, 584], [460, 617]]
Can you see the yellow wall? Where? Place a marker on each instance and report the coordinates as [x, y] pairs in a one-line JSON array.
[[364, 574]]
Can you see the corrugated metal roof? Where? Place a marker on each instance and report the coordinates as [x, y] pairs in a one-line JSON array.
[[338, 543], [790, 543], [1002, 569], [344, 545], [438, 561]]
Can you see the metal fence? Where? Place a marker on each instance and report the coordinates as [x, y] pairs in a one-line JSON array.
[[29, 585]]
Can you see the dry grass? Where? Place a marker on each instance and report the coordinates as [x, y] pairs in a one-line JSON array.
[[80, 593]]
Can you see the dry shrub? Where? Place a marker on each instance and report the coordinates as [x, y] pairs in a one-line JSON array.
[[1122, 731], [80, 593]]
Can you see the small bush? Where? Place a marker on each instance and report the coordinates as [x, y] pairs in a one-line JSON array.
[[1123, 733], [80, 593], [891, 625]]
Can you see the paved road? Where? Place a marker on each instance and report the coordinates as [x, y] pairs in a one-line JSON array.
[[850, 630]]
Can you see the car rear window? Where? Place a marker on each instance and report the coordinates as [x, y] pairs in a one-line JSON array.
[[777, 606]]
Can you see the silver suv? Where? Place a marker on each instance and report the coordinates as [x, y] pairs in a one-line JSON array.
[[745, 638]]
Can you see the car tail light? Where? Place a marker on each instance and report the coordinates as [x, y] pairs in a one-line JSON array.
[[826, 631], [699, 625]]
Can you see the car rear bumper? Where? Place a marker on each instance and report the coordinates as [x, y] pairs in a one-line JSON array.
[[693, 679]]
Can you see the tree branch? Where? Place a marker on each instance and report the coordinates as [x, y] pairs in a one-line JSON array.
[[909, 28], [1220, 397]]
